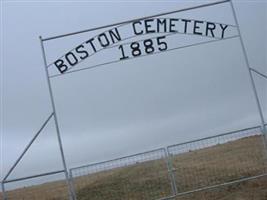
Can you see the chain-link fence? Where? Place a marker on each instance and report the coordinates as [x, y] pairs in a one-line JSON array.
[[254, 189], [227, 166], [141, 176], [219, 159]]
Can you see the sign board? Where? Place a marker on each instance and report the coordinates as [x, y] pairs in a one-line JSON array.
[[139, 38]]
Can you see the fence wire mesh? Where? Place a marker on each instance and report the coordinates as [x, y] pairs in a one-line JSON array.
[[247, 190], [141, 176], [49, 187], [217, 160]]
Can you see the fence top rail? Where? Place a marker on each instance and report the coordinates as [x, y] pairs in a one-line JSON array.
[[34, 176], [117, 159], [132, 20], [218, 135]]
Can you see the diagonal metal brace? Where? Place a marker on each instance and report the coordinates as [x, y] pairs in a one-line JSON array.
[[257, 72], [27, 147]]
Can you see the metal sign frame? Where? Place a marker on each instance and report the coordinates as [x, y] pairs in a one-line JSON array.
[[72, 195]]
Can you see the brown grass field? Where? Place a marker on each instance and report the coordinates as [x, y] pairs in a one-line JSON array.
[[150, 180]]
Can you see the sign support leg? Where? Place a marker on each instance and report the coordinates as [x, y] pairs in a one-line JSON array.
[[263, 128], [3, 191], [71, 191]]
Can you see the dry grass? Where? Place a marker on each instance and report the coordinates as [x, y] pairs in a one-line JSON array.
[[150, 180]]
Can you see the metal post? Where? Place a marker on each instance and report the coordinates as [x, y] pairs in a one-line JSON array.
[[72, 185], [265, 135], [170, 172], [250, 73], [3, 191], [71, 191]]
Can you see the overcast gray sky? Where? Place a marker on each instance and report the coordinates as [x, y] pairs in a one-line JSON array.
[[126, 107]]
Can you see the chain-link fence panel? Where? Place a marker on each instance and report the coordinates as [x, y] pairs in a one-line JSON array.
[[219, 159], [141, 176], [246, 190]]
